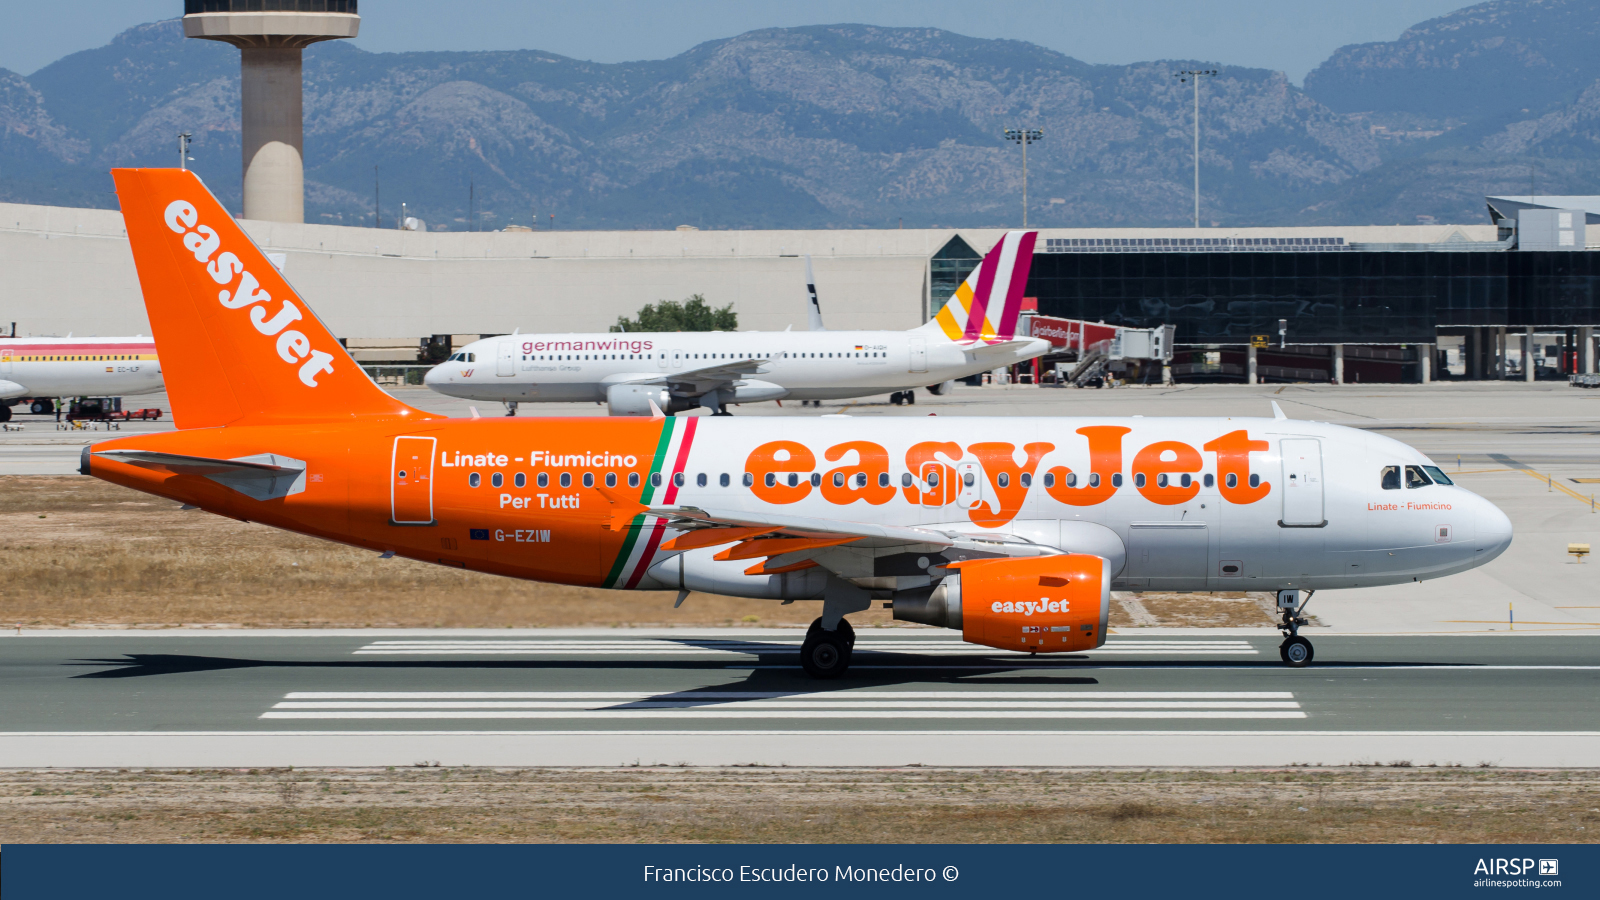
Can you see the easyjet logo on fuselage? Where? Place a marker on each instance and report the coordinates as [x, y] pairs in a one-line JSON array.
[[293, 346], [1163, 472]]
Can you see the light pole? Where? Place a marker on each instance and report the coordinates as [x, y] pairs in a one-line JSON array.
[[1024, 136], [183, 149], [1195, 75]]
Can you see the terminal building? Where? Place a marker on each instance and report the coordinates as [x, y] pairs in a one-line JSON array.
[[1370, 303]]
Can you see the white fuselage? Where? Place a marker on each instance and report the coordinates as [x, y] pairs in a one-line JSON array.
[[800, 365], [1184, 504], [78, 367]]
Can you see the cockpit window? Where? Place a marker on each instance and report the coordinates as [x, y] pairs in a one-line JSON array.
[[1416, 478], [1438, 476], [1391, 478]]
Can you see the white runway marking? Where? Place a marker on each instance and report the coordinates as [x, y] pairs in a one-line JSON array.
[[667, 647], [613, 705]]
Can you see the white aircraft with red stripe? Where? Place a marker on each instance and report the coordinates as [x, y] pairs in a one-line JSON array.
[[975, 331], [42, 369]]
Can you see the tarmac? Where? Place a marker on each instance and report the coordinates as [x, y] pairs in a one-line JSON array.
[[619, 697]]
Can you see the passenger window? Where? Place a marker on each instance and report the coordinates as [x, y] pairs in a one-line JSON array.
[[1438, 476], [749, 480], [838, 479], [497, 479], [1185, 481], [1391, 478], [1210, 480], [677, 479], [543, 480], [861, 479], [1233, 480], [566, 479], [1027, 480], [883, 479], [1138, 480], [816, 479], [611, 479], [472, 480], [1003, 479], [633, 479], [905, 480], [700, 480], [1094, 479], [969, 479], [1049, 479], [723, 479], [771, 480], [655, 479], [933, 479], [588, 479], [1116, 480], [1416, 478], [1255, 481]]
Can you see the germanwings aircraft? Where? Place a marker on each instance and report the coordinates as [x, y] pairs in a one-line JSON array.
[[44, 368], [976, 331], [1012, 531]]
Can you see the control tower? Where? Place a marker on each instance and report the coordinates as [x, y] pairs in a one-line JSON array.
[[271, 35]]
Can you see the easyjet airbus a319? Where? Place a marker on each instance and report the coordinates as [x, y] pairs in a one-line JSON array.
[[1013, 531]]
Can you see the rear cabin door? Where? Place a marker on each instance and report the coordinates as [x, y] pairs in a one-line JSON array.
[[1302, 482], [411, 481], [919, 354], [506, 359], [677, 359]]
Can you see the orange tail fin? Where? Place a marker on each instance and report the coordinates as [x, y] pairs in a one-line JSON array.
[[237, 344]]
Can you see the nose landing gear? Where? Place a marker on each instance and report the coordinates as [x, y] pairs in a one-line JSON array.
[[1295, 650]]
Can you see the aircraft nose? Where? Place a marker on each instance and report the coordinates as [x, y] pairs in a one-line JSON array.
[[432, 375], [1494, 529]]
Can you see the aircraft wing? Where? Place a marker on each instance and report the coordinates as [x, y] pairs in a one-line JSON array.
[[694, 382], [789, 543]]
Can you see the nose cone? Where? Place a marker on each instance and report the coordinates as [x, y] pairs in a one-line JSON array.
[[434, 376], [1494, 530]]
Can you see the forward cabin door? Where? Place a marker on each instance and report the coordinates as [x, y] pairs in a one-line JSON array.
[[411, 481], [1302, 482], [506, 359], [919, 354]]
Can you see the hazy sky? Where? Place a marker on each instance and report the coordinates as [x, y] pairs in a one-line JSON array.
[[1288, 35]]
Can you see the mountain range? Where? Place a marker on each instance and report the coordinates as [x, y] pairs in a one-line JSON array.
[[850, 126]]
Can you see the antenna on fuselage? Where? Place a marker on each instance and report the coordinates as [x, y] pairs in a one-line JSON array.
[[1277, 411]]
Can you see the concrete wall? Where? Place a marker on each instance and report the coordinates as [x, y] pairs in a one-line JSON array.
[[69, 270]]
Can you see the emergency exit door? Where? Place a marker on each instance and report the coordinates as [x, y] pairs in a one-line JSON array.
[[411, 481], [1302, 482]]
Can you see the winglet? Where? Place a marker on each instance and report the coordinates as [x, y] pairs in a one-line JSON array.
[[623, 509], [1277, 411]]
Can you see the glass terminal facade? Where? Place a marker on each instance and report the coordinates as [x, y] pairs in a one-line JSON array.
[[1347, 297]]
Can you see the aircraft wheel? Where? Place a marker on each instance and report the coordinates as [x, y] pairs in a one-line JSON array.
[[825, 654], [897, 398], [5, 413], [42, 407], [911, 398], [1296, 652]]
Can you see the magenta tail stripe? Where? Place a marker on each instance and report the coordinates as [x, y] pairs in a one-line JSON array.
[[1023, 261], [980, 297]]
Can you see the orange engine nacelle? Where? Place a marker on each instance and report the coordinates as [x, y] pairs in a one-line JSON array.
[[1043, 604]]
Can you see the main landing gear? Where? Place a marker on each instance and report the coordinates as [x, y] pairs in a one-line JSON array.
[[903, 398], [826, 654], [1295, 650]]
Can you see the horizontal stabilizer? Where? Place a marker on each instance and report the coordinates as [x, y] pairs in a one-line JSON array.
[[265, 476]]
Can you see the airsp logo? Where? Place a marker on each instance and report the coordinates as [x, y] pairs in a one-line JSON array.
[[1514, 866], [202, 240]]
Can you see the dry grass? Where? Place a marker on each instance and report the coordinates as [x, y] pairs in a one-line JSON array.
[[1378, 805], [84, 552]]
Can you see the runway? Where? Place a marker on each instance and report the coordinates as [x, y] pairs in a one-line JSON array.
[[737, 697]]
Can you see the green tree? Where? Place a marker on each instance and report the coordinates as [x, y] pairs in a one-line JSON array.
[[693, 314]]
